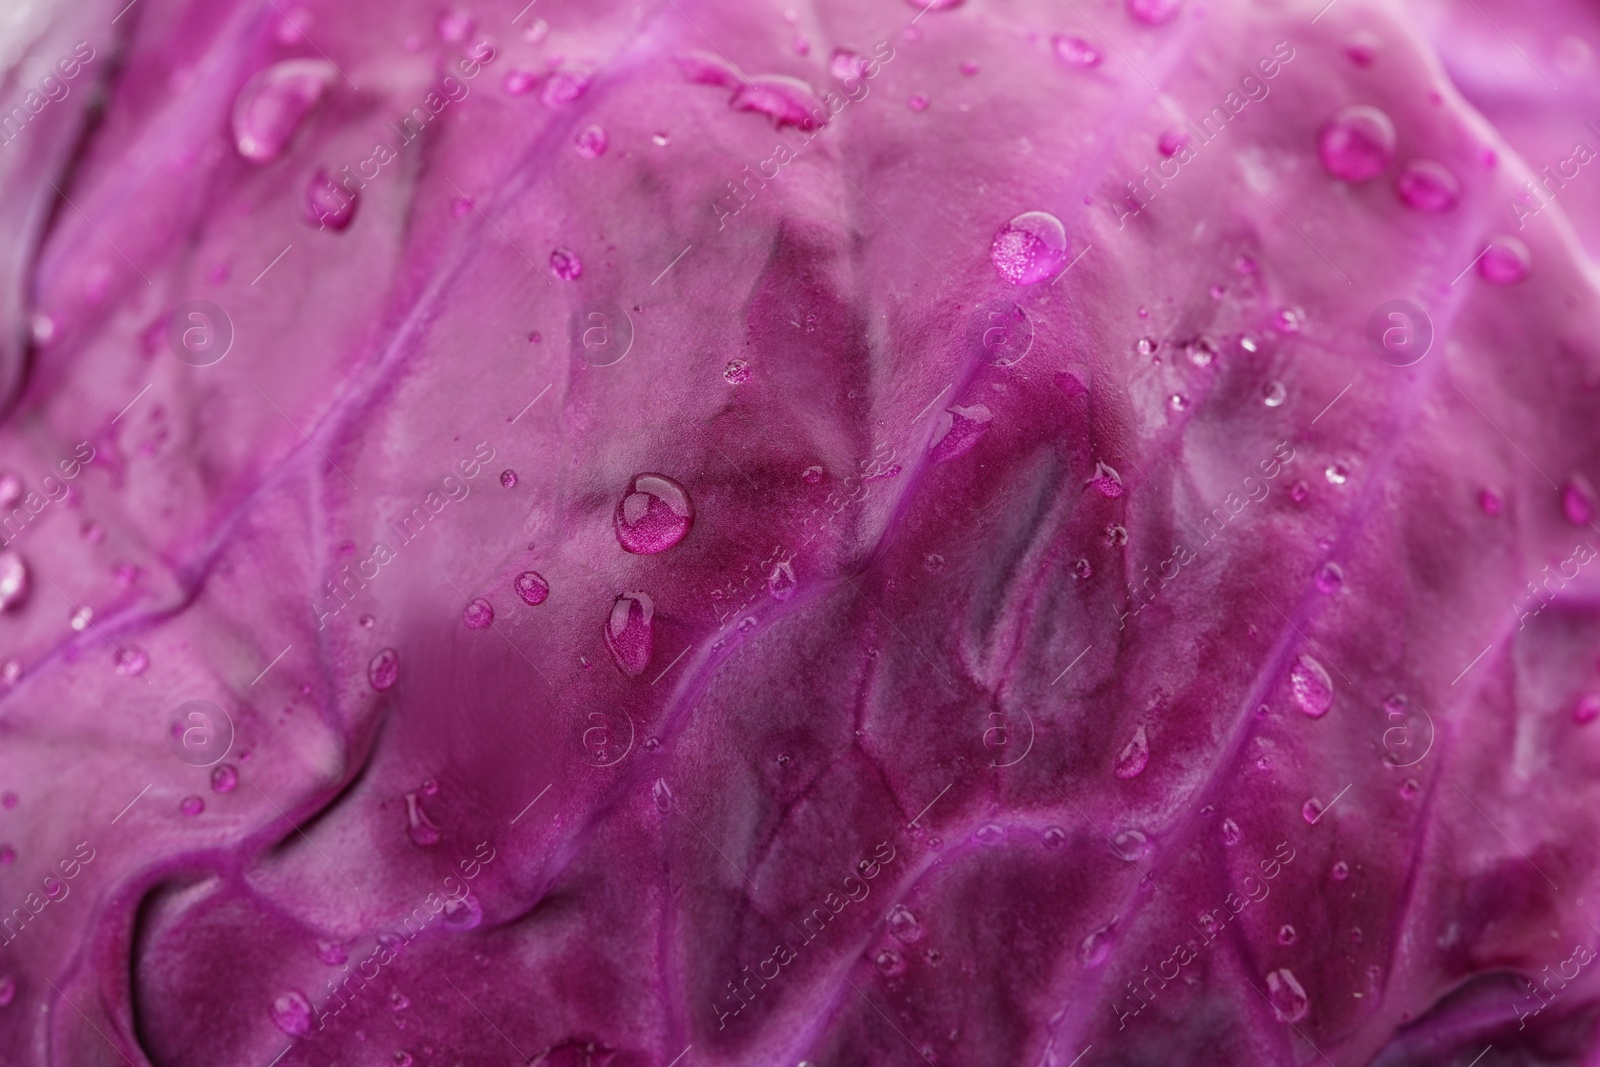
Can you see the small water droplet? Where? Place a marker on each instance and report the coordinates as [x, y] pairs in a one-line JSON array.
[[1029, 248], [1329, 578], [1154, 12], [630, 632], [737, 372], [1357, 144], [1094, 948], [508, 478], [1410, 788], [934, 844], [1231, 833], [781, 581], [328, 205], [402, 1058], [565, 264], [1249, 344], [384, 669], [79, 620], [1054, 837], [1311, 687], [398, 1001], [904, 925], [918, 102], [536, 31], [592, 142], [224, 778], [518, 82], [659, 139], [271, 106], [652, 744], [1273, 394], [1427, 186], [989, 834], [1172, 141], [563, 87], [14, 583], [1505, 260], [1131, 845], [422, 829], [1340, 871], [662, 795], [1116, 535], [1311, 810], [1201, 351], [1287, 996], [462, 913], [1286, 934], [292, 1012], [1490, 502], [131, 661], [1299, 491], [1075, 51], [1135, 755], [1177, 402], [1145, 346], [191, 806], [478, 614], [1083, 569], [1289, 320], [653, 515], [1337, 473], [811, 475], [890, 963], [531, 587], [367, 622], [968, 67]]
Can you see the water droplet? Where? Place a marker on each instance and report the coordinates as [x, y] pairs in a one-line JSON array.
[[327, 204], [918, 102], [1054, 837], [92, 532], [1273, 394], [1135, 754], [737, 372], [1116, 535], [518, 82], [630, 633], [1154, 12], [1230, 833], [1093, 949], [462, 913], [1587, 709], [1427, 186], [531, 587], [934, 844], [1075, 51], [783, 760], [1145, 346], [662, 795], [10, 489], [191, 806], [422, 829], [1299, 491], [477, 614], [654, 515], [1289, 320], [131, 661], [781, 582], [904, 925], [402, 1058], [1311, 687], [651, 744], [1249, 344], [1329, 578], [565, 264], [659, 139], [1173, 139], [1337, 473], [563, 87], [1490, 502], [1201, 351], [1340, 871], [1410, 788], [958, 429], [79, 619], [13, 581], [1083, 569], [273, 104], [1287, 996], [536, 31], [384, 669], [1131, 845], [1177, 402], [1505, 261], [989, 834], [1311, 810], [592, 142], [508, 478], [399, 1002], [1577, 501], [1357, 144], [811, 475], [890, 963], [1106, 480], [292, 1012], [1286, 934], [224, 778], [1029, 248], [845, 64]]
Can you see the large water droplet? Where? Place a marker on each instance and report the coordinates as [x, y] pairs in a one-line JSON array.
[[1094, 948], [384, 669], [654, 515], [958, 430], [1357, 144], [1505, 261], [273, 104], [13, 580], [1029, 248], [1135, 754], [532, 587], [1154, 12], [422, 829], [904, 925], [1075, 51], [1427, 186], [630, 633], [292, 1012], [1287, 996], [1311, 687]]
